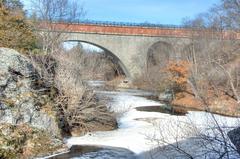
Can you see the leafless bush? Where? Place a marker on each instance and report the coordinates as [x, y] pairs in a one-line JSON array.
[[79, 111], [117, 82], [86, 114], [46, 14], [45, 65], [190, 138], [153, 79], [80, 108]]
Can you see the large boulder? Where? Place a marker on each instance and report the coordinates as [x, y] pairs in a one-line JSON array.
[[28, 123], [22, 96]]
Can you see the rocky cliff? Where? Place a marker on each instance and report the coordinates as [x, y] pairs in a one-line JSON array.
[[26, 115]]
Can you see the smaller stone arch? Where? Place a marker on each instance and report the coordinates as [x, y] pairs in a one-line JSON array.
[[159, 54], [114, 58]]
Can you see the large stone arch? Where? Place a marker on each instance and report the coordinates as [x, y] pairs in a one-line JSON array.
[[108, 52]]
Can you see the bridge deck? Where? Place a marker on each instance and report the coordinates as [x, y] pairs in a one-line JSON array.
[[141, 30]]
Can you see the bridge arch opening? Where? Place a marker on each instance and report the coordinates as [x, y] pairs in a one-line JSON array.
[[99, 56], [157, 58], [158, 55]]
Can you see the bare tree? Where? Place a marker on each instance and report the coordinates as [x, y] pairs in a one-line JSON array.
[[48, 14]]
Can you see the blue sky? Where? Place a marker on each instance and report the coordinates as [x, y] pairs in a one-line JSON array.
[[153, 11]]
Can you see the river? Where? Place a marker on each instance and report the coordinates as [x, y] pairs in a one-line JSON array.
[[146, 134]]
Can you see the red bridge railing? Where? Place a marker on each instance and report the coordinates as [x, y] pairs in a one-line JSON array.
[[141, 29]]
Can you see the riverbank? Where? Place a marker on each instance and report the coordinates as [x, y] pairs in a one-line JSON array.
[[37, 112], [223, 105], [142, 132]]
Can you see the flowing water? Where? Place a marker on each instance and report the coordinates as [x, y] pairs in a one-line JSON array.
[[141, 124]]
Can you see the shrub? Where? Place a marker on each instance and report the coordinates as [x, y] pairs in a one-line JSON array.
[[15, 31], [179, 74]]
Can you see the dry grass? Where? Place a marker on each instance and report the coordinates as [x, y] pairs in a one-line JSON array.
[[23, 141], [153, 79], [223, 104], [117, 82]]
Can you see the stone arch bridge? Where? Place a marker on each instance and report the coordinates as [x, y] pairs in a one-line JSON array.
[[129, 44]]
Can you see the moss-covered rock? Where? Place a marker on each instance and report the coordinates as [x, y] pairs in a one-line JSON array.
[[28, 122], [24, 141], [22, 98]]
